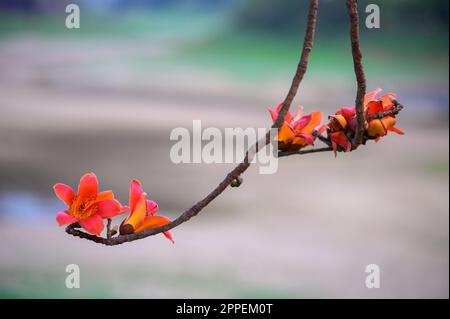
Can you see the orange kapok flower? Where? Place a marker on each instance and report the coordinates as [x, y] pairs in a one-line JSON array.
[[88, 207], [342, 124], [298, 131], [142, 213], [377, 128]]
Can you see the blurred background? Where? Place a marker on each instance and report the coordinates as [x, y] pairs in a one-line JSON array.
[[105, 97]]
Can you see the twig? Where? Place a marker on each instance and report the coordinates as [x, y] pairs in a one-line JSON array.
[[238, 170], [302, 152], [108, 229], [324, 139], [394, 111], [302, 66], [352, 8]]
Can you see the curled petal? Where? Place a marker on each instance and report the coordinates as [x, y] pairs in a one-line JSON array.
[[348, 112], [388, 122], [316, 119], [334, 145], [136, 216], [62, 218], [88, 187], [306, 139], [299, 114], [371, 95], [396, 130], [375, 107], [169, 236], [301, 122], [64, 193], [337, 122], [93, 224], [152, 222], [320, 129], [108, 208], [387, 99], [151, 207], [135, 193], [274, 113], [376, 128], [352, 124], [341, 139]]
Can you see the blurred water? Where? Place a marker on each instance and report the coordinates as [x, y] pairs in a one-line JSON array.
[[27, 207]]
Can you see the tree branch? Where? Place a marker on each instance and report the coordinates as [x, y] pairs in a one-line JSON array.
[[108, 229], [303, 152], [238, 170], [352, 8], [194, 210], [394, 111]]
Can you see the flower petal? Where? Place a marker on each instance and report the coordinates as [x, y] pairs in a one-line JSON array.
[[376, 128], [151, 207], [321, 129], [152, 222], [305, 139], [62, 218], [285, 134], [396, 130], [341, 139], [105, 195], [136, 216], [348, 112], [371, 95], [93, 224], [337, 122], [301, 122], [316, 118], [135, 193], [374, 107], [88, 187], [108, 208], [64, 193], [299, 114], [387, 99], [274, 113], [169, 236]]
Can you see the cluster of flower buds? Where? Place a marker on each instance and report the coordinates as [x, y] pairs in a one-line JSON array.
[[301, 130], [342, 125]]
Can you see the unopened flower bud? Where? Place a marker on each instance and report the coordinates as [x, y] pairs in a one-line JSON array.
[[114, 230], [236, 182]]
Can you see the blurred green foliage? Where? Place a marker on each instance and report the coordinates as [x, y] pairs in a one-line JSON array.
[[400, 16]]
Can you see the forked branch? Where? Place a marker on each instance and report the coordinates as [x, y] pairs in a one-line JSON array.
[[239, 169], [244, 165]]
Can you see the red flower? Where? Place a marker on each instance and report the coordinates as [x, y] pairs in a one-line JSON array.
[[142, 213], [377, 128], [88, 207], [342, 124], [298, 131]]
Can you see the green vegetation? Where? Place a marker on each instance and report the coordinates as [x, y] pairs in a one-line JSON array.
[[211, 42]]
